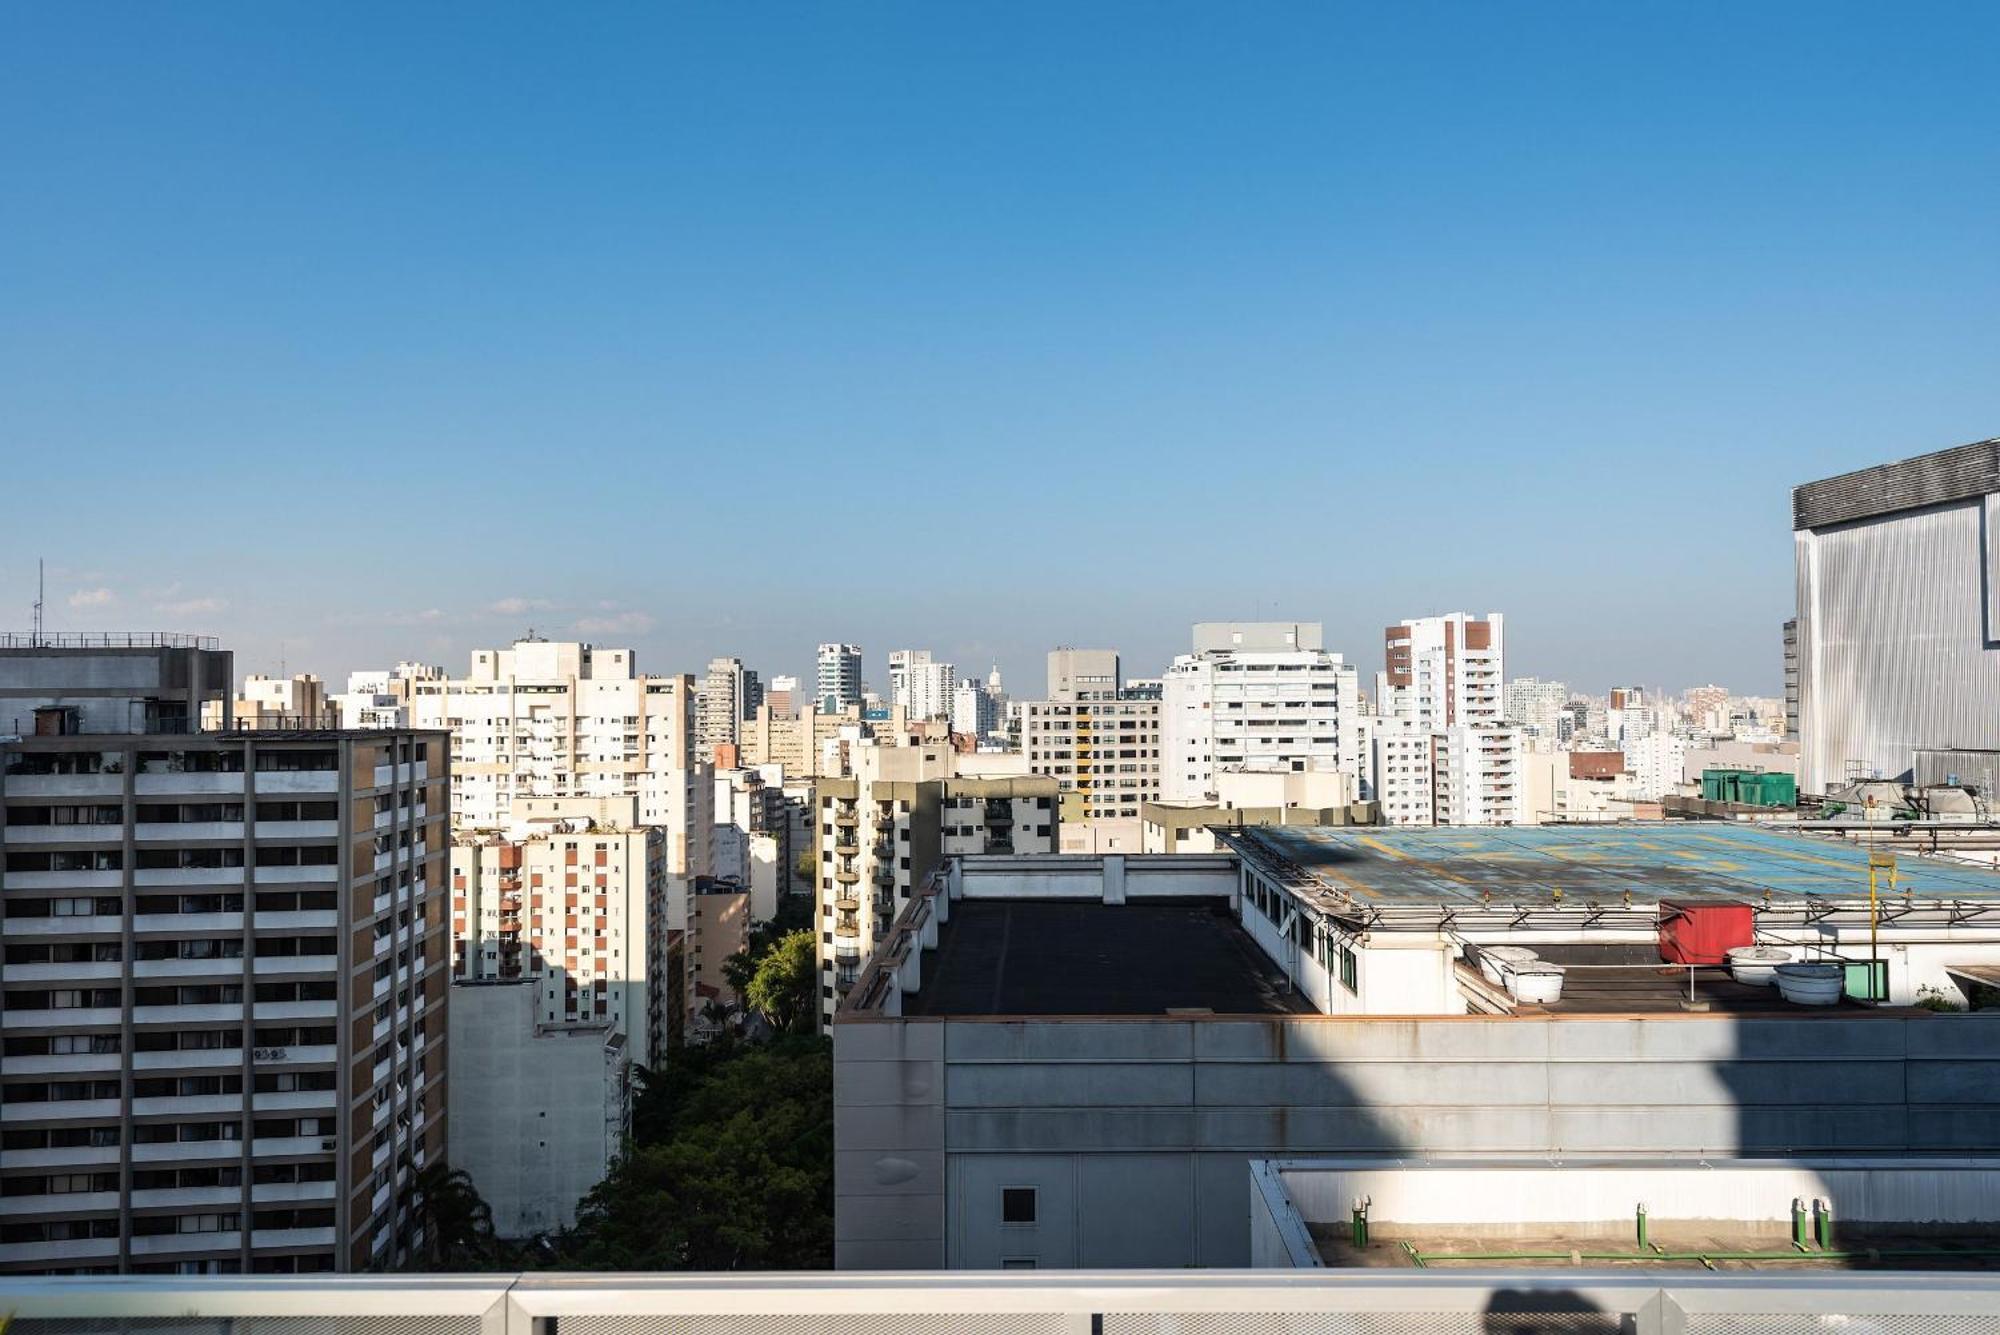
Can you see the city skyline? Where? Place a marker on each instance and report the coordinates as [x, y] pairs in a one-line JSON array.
[[1157, 317]]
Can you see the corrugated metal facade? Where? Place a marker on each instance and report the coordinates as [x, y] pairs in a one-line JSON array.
[[1893, 654]]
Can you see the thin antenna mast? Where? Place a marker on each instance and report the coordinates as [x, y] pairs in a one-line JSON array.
[[41, 583]]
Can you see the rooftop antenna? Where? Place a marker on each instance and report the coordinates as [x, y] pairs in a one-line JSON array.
[[40, 590]]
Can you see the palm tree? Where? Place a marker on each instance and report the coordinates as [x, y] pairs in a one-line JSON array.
[[457, 1224]]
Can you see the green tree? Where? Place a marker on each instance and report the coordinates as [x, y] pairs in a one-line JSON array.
[[743, 1180], [457, 1223], [785, 983]]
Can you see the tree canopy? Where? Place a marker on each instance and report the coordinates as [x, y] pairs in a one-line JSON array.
[[784, 987]]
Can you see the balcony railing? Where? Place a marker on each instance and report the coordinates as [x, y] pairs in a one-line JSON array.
[[106, 639], [1242, 1302]]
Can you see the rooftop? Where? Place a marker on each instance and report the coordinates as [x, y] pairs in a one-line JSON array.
[[1596, 864], [1062, 957]]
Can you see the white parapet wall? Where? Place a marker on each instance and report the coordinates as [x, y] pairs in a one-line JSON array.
[[1502, 1197]]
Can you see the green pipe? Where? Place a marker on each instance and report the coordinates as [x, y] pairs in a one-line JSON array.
[[1798, 1223], [1642, 1225], [1416, 1258], [1823, 1224]]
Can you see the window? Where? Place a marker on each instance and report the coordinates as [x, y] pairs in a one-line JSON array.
[[1017, 1205], [1348, 972]]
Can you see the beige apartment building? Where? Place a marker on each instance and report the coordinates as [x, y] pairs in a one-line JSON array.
[[1100, 744], [880, 831], [566, 897]]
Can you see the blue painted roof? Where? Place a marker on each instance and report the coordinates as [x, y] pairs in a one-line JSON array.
[[1602, 862]]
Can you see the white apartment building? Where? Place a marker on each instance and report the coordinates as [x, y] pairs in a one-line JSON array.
[[1443, 670], [1536, 706], [839, 677], [921, 686], [1656, 762], [560, 719], [566, 897], [730, 693], [379, 699], [1403, 770], [223, 990], [1480, 779], [975, 711], [1257, 696]]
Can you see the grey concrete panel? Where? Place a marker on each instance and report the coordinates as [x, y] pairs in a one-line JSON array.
[[1687, 1084], [888, 1173], [1975, 1035], [896, 1128], [981, 1240], [1011, 1130], [1136, 1211], [1238, 1040], [868, 1254], [1960, 1082], [898, 1218], [1369, 1084], [1222, 1204], [1963, 1130], [1057, 1085], [1709, 1039], [1069, 1040], [1318, 1039], [898, 1040], [857, 1083]]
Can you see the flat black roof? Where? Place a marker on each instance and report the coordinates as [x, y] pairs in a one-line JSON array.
[[1061, 957]]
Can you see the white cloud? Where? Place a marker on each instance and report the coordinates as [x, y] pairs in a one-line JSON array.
[[92, 598], [513, 607], [188, 607], [621, 623]]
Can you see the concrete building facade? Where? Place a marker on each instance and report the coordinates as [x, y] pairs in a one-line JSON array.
[[223, 989], [1257, 696], [539, 1111], [1898, 621], [838, 677], [567, 899]]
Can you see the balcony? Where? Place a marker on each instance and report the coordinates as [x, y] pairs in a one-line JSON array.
[[1395, 1302], [847, 876], [847, 903], [845, 847], [845, 819]]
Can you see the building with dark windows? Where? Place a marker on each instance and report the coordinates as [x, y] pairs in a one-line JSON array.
[[225, 965]]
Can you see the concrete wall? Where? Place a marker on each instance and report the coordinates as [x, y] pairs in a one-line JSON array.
[[1498, 1199], [1137, 1133], [535, 1118]]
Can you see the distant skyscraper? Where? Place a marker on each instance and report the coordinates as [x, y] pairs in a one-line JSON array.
[[922, 687], [839, 677], [1261, 696], [730, 693], [783, 697], [1443, 670]]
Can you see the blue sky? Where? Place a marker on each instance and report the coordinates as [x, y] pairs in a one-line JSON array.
[[352, 332]]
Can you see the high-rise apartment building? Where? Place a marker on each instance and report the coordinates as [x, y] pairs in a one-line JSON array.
[[921, 686], [880, 831], [299, 699], [1536, 706], [567, 896], [381, 699], [224, 989], [1443, 670], [1100, 746], [782, 695], [1258, 696], [561, 719], [839, 680], [975, 710], [1403, 770], [1479, 778], [730, 693]]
